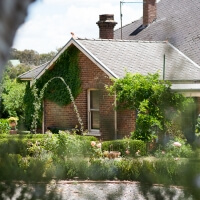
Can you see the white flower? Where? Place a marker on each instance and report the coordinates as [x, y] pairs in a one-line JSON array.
[[93, 143], [177, 144], [99, 145]]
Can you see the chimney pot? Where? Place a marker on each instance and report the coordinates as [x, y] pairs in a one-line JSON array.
[[106, 25]]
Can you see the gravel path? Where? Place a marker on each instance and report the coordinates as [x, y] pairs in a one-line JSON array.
[[110, 191], [97, 190]]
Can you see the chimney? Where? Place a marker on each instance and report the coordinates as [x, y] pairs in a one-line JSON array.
[[149, 11], [106, 25]]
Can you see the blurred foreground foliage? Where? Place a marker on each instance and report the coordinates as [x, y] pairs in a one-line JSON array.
[[37, 159]]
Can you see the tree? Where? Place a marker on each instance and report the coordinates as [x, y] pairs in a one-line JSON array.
[[12, 92], [155, 103], [12, 97], [14, 72], [31, 57]]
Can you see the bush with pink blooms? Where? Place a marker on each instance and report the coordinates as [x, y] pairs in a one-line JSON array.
[[127, 147], [96, 149], [175, 148]]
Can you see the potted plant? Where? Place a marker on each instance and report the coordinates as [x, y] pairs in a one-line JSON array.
[[13, 123]]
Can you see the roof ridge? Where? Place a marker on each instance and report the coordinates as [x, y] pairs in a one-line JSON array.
[[119, 40]]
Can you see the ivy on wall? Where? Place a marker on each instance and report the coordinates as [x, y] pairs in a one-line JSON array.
[[66, 66]]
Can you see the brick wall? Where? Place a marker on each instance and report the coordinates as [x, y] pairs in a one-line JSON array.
[[92, 77], [125, 123]]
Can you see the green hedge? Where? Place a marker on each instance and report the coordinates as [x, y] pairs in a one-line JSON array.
[[4, 126], [150, 172], [22, 136], [122, 145], [60, 144], [17, 146]]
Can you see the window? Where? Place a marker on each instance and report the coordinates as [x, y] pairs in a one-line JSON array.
[[93, 111]]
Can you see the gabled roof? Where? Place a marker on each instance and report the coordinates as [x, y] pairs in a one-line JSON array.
[[32, 74], [177, 21], [115, 57]]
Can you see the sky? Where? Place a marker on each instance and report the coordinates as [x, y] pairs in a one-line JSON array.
[[50, 22]]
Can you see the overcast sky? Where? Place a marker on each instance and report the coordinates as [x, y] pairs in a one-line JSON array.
[[50, 22]]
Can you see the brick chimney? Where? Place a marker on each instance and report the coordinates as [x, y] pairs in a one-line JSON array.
[[149, 11], [106, 25]]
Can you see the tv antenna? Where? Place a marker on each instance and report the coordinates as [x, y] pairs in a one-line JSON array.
[[121, 3]]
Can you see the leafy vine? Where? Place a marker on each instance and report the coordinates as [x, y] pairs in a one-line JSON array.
[[65, 66]]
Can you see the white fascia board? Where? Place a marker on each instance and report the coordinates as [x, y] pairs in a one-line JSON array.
[[185, 87], [55, 58], [86, 52], [190, 60]]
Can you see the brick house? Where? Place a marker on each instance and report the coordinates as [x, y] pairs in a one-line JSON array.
[[105, 58]]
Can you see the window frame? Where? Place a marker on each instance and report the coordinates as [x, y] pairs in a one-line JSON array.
[[95, 132]]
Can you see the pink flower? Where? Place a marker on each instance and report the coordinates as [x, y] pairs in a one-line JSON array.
[[127, 152], [99, 145], [93, 143], [177, 144]]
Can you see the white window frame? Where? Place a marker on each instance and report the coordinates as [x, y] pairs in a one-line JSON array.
[[94, 132]]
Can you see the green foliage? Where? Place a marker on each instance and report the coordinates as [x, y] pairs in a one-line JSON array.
[[28, 101], [197, 127], [20, 146], [173, 151], [125, 144], [4, 126], [14, 72], [31, 57], [23, 155], [152, 99], [12, 97], [128, 169], [102, 170], [12, 92], [67, 145], [66, 67]]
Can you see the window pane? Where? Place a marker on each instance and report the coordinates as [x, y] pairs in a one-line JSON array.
[[94, 99], [94, 120]]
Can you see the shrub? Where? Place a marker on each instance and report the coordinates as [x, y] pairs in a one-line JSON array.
[[102, 170], [4, 126], [67, 145], [122, 145], [23, 145], [128, 169], [175, 148]]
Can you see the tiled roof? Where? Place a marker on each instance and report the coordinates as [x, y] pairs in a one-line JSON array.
[[142, 57], [31, 74], [178, 21], [118, 56]]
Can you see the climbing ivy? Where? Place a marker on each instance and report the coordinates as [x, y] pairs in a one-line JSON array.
[[66, 66], [156, 104]]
